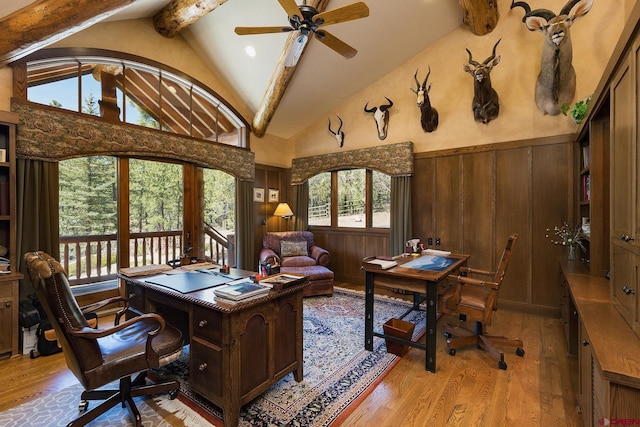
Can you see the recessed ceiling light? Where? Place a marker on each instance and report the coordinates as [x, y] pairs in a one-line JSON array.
[[251, 51]]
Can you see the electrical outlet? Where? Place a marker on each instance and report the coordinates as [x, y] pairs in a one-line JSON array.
[[430, 241], [437, 241]]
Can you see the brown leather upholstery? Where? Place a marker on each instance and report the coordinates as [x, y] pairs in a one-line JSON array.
[[313, 265], [476, 298], [98, 357]]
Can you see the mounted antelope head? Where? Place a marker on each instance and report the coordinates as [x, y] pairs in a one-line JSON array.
[[556, 83], [485, 104], [428, 114], [338, 134], [381, 117]]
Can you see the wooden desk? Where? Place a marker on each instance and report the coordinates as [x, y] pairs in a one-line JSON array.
[[237, 351], [413, 280]]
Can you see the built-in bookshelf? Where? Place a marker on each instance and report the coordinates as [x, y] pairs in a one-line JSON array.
[[9, 277], [592, 188]]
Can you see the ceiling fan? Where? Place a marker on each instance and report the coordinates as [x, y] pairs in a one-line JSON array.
[[306, 19]]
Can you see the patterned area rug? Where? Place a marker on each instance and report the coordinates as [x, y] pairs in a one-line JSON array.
[[338, 372]]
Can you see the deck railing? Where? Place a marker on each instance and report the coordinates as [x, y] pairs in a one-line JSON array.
[[93, 258]]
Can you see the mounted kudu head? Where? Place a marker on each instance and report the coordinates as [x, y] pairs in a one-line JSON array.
[[428, 114], [556, 84], [485, 104], [381, 117], [338, 134]]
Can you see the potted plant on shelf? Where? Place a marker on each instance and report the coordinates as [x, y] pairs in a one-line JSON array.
[[579, 109]]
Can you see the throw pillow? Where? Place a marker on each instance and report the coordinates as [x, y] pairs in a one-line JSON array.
[[293, 248]]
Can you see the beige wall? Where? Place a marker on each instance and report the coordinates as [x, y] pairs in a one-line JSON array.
[[594, 37]]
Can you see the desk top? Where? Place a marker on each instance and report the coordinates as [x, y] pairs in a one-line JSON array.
[[416, 267], [205, 296], [612, 340]]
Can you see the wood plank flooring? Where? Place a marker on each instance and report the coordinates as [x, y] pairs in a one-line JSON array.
[[468, 389]]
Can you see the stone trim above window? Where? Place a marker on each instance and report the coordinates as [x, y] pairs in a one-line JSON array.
[[394, 160], [50, 134]]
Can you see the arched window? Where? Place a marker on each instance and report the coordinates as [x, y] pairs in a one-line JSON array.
[[131, 91]]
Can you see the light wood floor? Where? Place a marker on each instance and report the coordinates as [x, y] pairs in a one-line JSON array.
[[468, 389]]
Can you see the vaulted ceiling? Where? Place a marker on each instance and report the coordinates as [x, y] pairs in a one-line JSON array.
[[394, 32]]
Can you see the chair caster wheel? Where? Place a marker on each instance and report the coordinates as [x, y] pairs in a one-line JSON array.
[[83, 406], [520, 351], [452, 351], [502, 365], [447, 335], [173, 394]]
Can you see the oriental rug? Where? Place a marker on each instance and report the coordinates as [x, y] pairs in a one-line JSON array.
[[338, 374]]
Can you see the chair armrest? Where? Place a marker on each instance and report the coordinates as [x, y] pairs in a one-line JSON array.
[[321, 255], [269, 256], [477, 282], [470, 270], [98, 305], [91, 333]]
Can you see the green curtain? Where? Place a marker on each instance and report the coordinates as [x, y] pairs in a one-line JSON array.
[[244, 225], [301, 206], [400, 230], [37, 222]]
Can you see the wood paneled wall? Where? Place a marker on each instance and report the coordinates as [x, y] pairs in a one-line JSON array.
[[269, 177], [472, 200]]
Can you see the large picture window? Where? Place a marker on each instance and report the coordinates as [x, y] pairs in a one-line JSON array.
[[361, 199]]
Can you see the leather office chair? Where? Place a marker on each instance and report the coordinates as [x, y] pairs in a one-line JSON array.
[[98, 357], [476, 299]]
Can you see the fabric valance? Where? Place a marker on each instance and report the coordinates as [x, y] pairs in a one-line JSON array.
[[394, 160], [51, 134]]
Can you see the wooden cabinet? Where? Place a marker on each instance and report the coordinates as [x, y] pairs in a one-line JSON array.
[[608, 365], [569, 316], [8, 281]]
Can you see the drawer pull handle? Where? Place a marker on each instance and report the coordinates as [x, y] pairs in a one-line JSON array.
[[585, 343], [203, 323], [628, 291], [202, 367], [626, 238]]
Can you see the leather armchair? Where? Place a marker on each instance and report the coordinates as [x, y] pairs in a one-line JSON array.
[[98, 357], [272, 243], [297, 252]]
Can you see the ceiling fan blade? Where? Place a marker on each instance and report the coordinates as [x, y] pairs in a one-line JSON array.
[[346, 13], [242, 31], [336, 44], [290, 7]]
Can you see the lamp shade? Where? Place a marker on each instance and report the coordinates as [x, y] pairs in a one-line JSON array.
[[283, 210]]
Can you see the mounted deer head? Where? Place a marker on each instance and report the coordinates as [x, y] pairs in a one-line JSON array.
[[428, 114], [381, 117], [485, 103], [556, 83], [338, 134]]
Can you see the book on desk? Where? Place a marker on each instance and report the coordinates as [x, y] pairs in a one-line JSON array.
[[380, 262], [241, 290]]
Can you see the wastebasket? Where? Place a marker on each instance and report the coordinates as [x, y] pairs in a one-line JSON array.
[[400, 329]]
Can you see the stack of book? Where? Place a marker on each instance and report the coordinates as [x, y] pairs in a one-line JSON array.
[[240, 291]]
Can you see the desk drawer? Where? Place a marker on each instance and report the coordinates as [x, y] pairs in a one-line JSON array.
[[205, 372], [207, 323]]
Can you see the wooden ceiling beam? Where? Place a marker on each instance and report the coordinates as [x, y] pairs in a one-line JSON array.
[[46, 21], [279, 81], [179, 14]]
